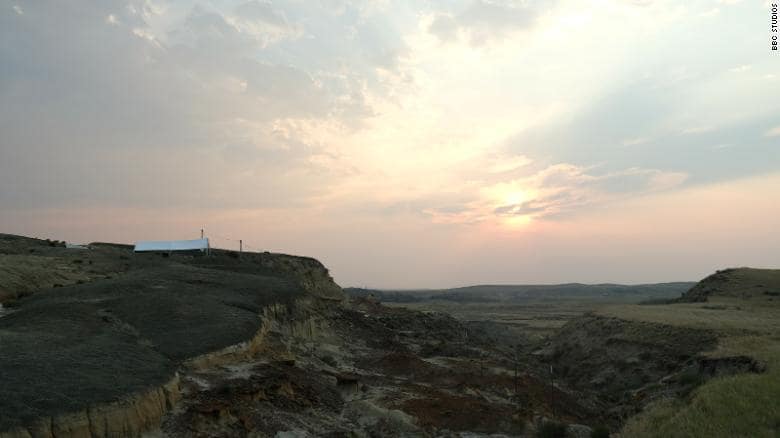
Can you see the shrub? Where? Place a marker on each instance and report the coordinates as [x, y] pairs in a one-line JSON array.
[[600, 432]]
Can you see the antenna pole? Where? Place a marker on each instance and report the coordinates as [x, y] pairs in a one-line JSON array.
[[201, 233], [240, 245], [552, 390]]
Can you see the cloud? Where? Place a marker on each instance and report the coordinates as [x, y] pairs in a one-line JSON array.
[[536, 191], [483, 21], [635, 141], [445, 27], [710, 13], [207, 92], [565, 189], [774, 132], [698, 129], [740, 69], [265, 22]]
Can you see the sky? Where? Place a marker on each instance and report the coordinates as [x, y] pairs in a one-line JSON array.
[[403, 143]]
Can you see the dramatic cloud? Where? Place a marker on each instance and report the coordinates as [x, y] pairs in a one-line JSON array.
[[88, 89]]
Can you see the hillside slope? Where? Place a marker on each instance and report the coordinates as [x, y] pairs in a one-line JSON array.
[[99, 356], [744, 283], [735, 380]]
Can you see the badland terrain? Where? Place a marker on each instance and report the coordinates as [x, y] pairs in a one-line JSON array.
[[104, 342]]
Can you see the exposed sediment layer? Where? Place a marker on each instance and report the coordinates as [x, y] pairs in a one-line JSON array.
[[298, 321], [142, 412], [124, 418]]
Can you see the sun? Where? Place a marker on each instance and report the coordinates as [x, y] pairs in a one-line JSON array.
[[515, 197], [517, 221]]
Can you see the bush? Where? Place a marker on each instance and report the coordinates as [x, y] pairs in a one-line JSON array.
[[551, 429], [600, 432]]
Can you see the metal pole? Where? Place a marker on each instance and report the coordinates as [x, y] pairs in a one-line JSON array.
[[517, 359], [552, 391], [201, 233], [240, 245]]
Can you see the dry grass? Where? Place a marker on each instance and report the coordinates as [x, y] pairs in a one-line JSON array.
[[728, 316], [746, 405], [22, 274], [536, 319]]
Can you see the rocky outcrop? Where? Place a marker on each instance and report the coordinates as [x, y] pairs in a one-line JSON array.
[[299, 321]]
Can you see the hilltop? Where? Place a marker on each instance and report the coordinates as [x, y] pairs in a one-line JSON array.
[[744, 283]]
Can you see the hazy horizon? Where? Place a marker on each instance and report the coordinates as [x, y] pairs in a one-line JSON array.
[[404, 144]]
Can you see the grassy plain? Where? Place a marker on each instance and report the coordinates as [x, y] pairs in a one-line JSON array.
[[535, 319]]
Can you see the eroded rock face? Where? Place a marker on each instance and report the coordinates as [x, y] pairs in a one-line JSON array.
[[256, 401], [619, 365], [129, 417]]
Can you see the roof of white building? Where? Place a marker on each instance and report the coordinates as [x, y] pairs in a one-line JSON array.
[[172, 245]]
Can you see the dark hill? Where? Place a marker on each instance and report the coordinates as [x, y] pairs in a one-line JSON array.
[[521, 293], [745, 283]]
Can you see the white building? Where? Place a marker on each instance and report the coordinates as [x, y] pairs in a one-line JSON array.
[[172, 245]]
